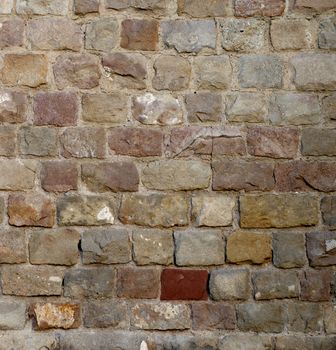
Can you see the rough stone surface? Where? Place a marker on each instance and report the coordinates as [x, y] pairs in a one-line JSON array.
[[329, 106], [13, 315], [321, 248], [281, 211], [101, 35], [318, 142], [106, 246], [311, 6], [7, 141], [305, 317], [244, 247], [38, 141], [315, 285], [17, 175], [83, 7], [217, 8], [230, 284], [192, 247], [11, 33], [13, 247], [36, 7], [12, 106], [330, 319], [328, 208], [246, 342], [247, 8], [327, 33]]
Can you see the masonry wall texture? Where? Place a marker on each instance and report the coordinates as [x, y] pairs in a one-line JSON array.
[[168, 175]]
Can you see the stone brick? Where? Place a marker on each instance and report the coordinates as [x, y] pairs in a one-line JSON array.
[[163, 316], [139, 34], [261, 72], [305, 317], [135, 142], [275, 284], [26, 280], [110, 246], [56, 315], [179, 284], [327, 33], [248, 8], [280, 211], [83, 142], [208, 316], [294, 109], [321, 248], [318, 142], [212, 210], [114, 176], [105, 313], [17, 175], [216, 8], [171, 73], [24, 69], [36, 7], [6, 7], [102, 34], [89, 283], [152, 210], [13, 315], [76, 70], [247, 107], [7, 141], [38, 141], [11, 33], [13, 247], [231, 146], [48, 34], [311, 6], [12, 106], [192, 247], [330, 319], [213, 72], [156, 6], [273, 142], [83, 7], [104, 108], [246, 342], [204, 107], [31, 209], [126, 70], [138, 283], [59, 176], [328, 208], [329, 106], [322, 77], [189, 35], [242, 35], [153, 247], [86, 210], [56, 247], [289, 249], [301, 343], [26, 339], [176, 175], [246, 247], [305, 176], [157, 110], [55, 108], [230, 284], [183, 342], [292, 34], [242, 175], [315, 285], [268, 317]]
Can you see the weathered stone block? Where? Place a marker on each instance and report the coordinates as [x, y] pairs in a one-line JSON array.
[[29, 280], [102, 34], [318, 142], [246, 342], [155, 210], [284, 210], [192, 248], [6, 7], [13, 248], [38, 141], [111, 246], [11, 32], [245, 247], [230, 284], [135, 142], [12, 106], [31, 209], [176, 175], [310, 7], [327, 33], [17, 175], [248, 8], [179, 284], [12, 314], [24, 69], [328, 208], [196, 8], [330, 319], [153, 247], [136, 283], [230, 146], [183, 342], [7, 141], [329, 106], [305, 317], [86, 210], [36, 7], [315, 285], [115, 176], [83, 7], [56, 247], [321, 248]]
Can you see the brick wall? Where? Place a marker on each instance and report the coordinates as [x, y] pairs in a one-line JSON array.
[[168, 174]]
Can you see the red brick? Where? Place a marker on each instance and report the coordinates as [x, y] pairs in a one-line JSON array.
[[31, 210], [138, 283], [139, 34], [316, 285], [273, 142], [135, 142], [248, 8], [179, 284], [59, 176], [55, 108]]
